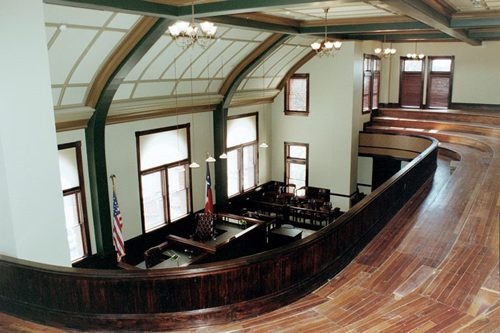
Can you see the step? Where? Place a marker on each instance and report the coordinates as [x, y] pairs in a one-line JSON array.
[[489, 118], [439, 125]]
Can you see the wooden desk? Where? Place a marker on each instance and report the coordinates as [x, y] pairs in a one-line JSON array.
[[284, 235]]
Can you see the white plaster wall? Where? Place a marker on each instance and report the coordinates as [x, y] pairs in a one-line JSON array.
[[8, 239], [331, 129], [476, 73], [365, 173], [74, 136], [31, 186], [265, 127], [121, 159]]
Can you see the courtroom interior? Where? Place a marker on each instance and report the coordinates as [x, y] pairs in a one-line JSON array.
[[250, 166]]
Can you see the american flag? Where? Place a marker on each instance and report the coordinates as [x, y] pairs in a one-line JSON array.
[[209, 203], [117, 229]]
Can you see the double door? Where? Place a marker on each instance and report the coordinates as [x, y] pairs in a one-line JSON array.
[[438, 80]]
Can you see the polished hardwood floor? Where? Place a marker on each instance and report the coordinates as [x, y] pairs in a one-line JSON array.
[[433, 268]]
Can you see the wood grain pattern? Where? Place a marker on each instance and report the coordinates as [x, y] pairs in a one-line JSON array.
[[433, 268]]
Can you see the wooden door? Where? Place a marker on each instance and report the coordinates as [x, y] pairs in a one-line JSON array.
[[411, 85], [439, 82]]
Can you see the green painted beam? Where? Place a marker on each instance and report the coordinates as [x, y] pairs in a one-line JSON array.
[[230, 7], [126, 6], [241, 22], [399, 37], [220, 117], [95, 139], [484, 22], [485, 34], [371, 27]]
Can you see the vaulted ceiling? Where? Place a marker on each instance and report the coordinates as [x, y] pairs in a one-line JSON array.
[[87, 39]]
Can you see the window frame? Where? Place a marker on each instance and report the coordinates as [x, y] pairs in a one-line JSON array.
[[79, 191], [287, 110], [163, 169], [239, 148], [289, 159], [370, 71]]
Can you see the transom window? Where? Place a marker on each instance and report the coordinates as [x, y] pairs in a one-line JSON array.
[[297, 95], [296, 164], [242, 160], [75, 212], [164, 157]]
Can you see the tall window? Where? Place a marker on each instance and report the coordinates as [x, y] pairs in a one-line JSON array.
[[241, 143], [371, 83], [70, 165], [297, 95], [163, 157], [296, 163]]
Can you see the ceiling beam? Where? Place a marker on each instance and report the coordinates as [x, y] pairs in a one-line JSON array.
[[486, 20], [248, 23], [422, 12], [424, 36], [230, 7], [369, 27], [126, 6]]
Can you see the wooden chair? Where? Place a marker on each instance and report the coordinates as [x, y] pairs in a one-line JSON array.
[[205, 229], [153, 256]]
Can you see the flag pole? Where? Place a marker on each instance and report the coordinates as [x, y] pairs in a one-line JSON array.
[[117, 225]]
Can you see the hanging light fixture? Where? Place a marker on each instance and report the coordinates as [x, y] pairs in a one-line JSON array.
[[186, 34], [193, 165], [263, 144], [386, 52], [210, 158], [415, 55], [326, 48], [223, 156]]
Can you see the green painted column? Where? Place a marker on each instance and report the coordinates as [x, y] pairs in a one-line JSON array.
[[220, 118], [96, 146]]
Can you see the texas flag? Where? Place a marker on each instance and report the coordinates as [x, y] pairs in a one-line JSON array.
[[209, 202]]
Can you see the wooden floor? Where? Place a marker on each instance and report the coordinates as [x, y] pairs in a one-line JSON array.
[[433, 268]]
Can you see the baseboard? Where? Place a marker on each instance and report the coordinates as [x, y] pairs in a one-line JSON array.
[[476, 106]]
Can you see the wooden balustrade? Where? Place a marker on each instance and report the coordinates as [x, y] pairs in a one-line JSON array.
[[207, 293]]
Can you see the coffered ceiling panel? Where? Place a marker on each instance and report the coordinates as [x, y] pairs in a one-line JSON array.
[[337, 10], [272, 70], [474, 6], [79, 42], [167, 69]]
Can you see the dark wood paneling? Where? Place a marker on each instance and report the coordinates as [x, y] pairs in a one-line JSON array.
[[411, 90], [208, 293], [383, 169]]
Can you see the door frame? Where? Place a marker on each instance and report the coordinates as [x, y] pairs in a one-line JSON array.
[[422, 78], [428, 73]]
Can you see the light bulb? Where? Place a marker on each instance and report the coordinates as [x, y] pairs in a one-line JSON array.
[[210, 159], [223, 156], [393, 51], [315, 46], [337, 44], [194, 165], [377, 50], [328, 45], [264, 145]]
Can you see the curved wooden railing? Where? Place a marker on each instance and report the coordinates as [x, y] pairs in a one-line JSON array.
[[209, 293]]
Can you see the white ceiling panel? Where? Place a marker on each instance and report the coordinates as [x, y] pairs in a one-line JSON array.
[[124, 91], [157, 66], [123, 21], [74, 95], [241, 34], [195, 87], [136, 72], [75, 16], [94, 58], [66, 50], [49, 32], [56, 92], [153, 89]]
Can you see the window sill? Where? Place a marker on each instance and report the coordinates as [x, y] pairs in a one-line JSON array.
[[297, 113]]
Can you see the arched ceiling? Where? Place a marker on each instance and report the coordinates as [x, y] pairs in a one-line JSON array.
[[85, 36]]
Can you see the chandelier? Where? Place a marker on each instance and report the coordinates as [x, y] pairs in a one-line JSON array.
[[186, 34], [326, 48], [415, 55], [386, 52]]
